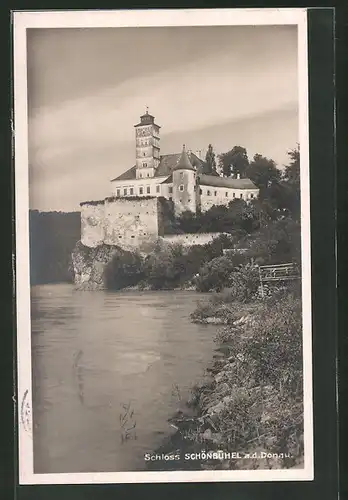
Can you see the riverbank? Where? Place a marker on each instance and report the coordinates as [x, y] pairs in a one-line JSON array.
[[249, 405]]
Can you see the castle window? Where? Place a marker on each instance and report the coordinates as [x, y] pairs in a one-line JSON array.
[[170, 189], [215, 193], [120, 236], [252, 195], [208, 193], [118, 192], [148, 189], [131, 191], [233, 195], [125, 191], [181, 187], [226, 194], [241, 195], [132, 236], [181, 175], [148, 175], [144, 164], [157, 189], [200, 191], [140, 175], [144, 154], [141, 190]]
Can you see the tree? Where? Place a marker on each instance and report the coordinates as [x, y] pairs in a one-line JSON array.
[[292, 170], [234, 162], [210, 161], [291, 184], [263, 172]]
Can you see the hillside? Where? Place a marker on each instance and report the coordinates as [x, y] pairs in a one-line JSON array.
[[53, 236]]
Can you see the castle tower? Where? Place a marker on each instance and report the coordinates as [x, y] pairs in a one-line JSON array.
[[184, 185], [147, 146]]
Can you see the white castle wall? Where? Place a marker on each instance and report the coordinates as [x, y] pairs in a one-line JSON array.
[[92, 223], [127, 223], [131, 223], [189, 239]]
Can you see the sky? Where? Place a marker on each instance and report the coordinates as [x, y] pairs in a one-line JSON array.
[[224, 85]]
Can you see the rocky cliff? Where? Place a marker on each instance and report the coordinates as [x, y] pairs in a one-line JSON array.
[[89, 265]]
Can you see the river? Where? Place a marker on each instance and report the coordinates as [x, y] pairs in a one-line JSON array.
[[109, 369]]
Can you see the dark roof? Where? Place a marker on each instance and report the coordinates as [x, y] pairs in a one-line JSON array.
[[127, 175], [166, 166], [168, 180], [147, 119], [184, 162], [217, 181]]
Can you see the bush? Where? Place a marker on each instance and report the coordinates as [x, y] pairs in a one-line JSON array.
[[125, 269], [277, 242], [274, 345], [170, 266], [241, 281], [214, 275], [257, 400]]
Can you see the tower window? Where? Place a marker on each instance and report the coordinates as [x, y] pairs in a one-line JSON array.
[[148, 175], [141, 190], [157, 189], [181, 187], [140, 175], [252, 195], [144, 164], [148, 189], [215, 193], [125, 191], [131, 191], [208, 193], [170, 189], [144, 154], [181, 175], [233, 195], [226, 194], [241, 195]]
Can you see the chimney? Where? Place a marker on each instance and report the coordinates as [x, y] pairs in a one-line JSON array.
[[198, 153]]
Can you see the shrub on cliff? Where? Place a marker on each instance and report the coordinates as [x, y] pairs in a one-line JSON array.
[[275, 243], [170, 266], [125, 269], [214, 275], [242, 281]]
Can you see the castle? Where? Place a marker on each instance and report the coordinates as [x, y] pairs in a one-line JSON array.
[[134, 212]]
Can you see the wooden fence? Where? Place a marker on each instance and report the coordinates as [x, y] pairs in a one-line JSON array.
[[278, 272]]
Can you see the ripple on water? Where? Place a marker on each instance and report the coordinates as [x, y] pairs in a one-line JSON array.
[[95, 352]]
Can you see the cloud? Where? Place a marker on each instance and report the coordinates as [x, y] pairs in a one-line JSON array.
[[76, 144], [189, 98]]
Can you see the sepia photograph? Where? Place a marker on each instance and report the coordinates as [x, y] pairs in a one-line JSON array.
[[162, 219]]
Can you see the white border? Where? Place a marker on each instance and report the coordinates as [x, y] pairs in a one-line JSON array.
[[133, 18]]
